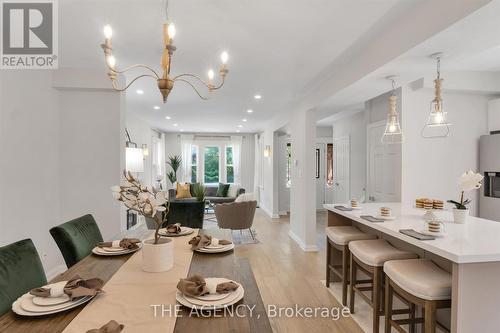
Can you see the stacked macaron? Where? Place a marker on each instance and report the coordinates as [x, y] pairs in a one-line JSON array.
[[385, 211], [437, 204], [354, 203], [434, 226], [419, 203], [428, 204]]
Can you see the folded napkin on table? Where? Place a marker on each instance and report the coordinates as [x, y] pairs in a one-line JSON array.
[[74, 288], [174, 228], [201, 241], [126, 243], [197, 286], [111, 327]]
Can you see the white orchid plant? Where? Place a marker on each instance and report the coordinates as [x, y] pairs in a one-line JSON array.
[[469, 181], [147, 201]]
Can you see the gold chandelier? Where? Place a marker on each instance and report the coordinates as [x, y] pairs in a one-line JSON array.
[[164, 79]]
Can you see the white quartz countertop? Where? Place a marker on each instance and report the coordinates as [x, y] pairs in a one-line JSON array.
[[478, 240]]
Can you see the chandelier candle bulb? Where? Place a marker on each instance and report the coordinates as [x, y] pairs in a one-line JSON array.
[[171, 31], [108, 32], [224, 57], [111, 61]]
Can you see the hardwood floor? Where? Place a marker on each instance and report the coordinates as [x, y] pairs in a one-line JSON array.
[[287, 276]]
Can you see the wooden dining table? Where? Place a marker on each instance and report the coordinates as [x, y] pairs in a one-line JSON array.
[[250, 316]]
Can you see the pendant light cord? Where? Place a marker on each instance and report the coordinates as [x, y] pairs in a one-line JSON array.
[[166, 10], [438, 59]]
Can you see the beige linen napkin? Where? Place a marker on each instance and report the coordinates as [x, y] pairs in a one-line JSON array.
[[74, 288], [174, 228], [111, 327], [196, 286], [201, 241], [125, 243]]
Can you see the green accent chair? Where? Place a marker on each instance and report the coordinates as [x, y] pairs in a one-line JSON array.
[[20, 271], [76, 238]]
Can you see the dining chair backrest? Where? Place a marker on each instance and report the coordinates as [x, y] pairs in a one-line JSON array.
[[20, 271], [76, 238]]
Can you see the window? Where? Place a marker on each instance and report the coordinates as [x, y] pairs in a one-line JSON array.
[[288, 164], [194, 163], [211, 165], [229, 165]]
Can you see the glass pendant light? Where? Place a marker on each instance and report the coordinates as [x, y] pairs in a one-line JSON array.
[[437, 126], [392, 133]]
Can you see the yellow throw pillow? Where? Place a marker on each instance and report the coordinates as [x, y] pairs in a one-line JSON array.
[[182, 191]]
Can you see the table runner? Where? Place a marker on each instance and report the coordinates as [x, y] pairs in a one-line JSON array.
[[130, 293]]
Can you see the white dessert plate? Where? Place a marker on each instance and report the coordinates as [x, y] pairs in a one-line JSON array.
[[184, 231], [235, 298], [218, 250], [113, 249], [218, 246], [49, 301], [101, 252], [422, 208], [426, 231], [26, 300], [390, 217], [355, 208]]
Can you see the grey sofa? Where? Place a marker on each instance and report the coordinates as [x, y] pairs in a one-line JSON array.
[[210, 195]]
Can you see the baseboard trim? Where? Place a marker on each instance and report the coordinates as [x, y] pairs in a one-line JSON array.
[[271, 215], [303, 246], [56, 271]]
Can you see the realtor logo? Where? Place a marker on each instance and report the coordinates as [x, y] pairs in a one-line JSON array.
[[29, 34]]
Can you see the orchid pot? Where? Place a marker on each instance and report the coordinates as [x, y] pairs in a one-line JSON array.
[[157, 257], [460, 215]]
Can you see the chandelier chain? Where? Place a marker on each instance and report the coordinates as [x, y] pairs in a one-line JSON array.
[[438, 60]]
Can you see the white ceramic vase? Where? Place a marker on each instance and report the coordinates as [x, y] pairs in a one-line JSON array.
[[460, 215], [157, 257]]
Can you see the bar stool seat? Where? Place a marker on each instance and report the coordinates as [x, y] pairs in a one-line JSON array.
[[376, 252], [342, 235], [420, 277], [418, 282], [337, 240]]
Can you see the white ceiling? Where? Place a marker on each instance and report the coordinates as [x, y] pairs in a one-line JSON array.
[[472, 44], [276, 47]]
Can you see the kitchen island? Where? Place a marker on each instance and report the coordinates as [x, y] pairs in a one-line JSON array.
[[471, 252]]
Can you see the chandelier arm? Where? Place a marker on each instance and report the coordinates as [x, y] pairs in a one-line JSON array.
[[221, 84], [130, 83], [194, 88], [193, 76], [135, 66]]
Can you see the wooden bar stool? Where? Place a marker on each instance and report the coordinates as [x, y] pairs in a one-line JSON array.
[[419, 282], [369, 256], [337, 240]]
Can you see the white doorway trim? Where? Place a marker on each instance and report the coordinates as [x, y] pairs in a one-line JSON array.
[[341, 144]]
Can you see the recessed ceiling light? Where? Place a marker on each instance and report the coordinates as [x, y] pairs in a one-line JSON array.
[[257, 96], [175, 125], [139, 91], [181, 130], [237, 131], [156, 107], [244, 120], [249, 111], [240, 126], [168, 117]]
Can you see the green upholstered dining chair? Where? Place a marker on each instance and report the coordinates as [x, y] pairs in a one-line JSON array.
[[76, 238], [20, 271]]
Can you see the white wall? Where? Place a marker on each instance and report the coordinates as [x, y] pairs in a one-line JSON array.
[[431, 167], [60, 154], [173, 147]]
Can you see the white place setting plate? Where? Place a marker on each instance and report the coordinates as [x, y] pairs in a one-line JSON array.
[[216, 250], [390, 217], [24, 306], [184, 231], [108, 251], [207, 304], [355, 208], [426, 231]]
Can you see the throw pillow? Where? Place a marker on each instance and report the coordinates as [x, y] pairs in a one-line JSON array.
[[182, 191], [222, 190], [233, 190], [244, 197]]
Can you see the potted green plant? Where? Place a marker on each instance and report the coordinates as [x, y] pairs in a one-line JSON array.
[[199, 192], [469, 181], [157, 253], [174, 162]]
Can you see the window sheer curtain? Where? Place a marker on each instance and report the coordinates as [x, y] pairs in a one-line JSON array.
[[236, 142], [186, 147]]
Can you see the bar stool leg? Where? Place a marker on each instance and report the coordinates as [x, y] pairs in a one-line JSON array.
[[352, 284], [388, 305], [328, 259], [412, 318], [345, 272], [430, 317], [376, 298]]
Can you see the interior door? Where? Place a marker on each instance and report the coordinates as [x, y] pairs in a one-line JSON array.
[[384, 167], [320, 175], [341, 156]]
